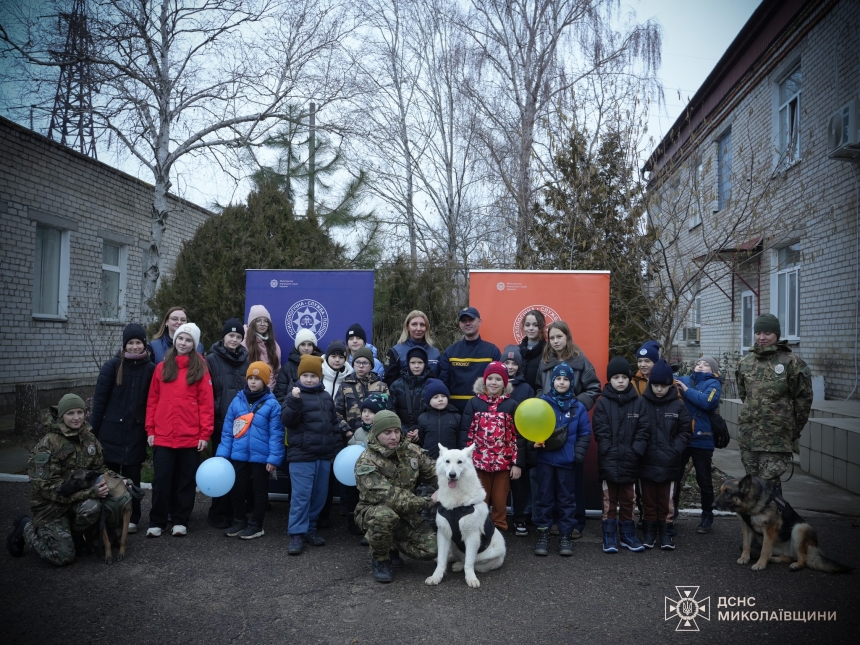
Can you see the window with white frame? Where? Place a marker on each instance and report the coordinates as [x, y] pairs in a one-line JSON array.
[[50, 272], [724, 170], [789, 116], [113, 279], [787, 300]]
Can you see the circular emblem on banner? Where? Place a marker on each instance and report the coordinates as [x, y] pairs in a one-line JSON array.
[[307, 314], [500, 286], [549, 313], [91, 450], [779, 369], [273, 284]]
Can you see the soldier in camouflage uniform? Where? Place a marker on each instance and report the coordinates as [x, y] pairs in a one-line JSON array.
[[388, 511], [58, 520], [356, 388], [776, 388]]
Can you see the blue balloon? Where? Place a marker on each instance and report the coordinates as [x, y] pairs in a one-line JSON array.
[[215, 476], [344, 464]]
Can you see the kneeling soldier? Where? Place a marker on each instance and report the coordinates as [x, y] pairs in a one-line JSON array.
[[388, 511], [59, 522]]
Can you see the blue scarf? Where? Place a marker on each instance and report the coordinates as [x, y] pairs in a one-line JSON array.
[[566, 400]]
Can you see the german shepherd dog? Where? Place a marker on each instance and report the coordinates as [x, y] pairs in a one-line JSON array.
[[784, 535], [82, 479]]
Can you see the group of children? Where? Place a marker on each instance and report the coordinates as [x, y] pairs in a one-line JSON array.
[[261, 415]]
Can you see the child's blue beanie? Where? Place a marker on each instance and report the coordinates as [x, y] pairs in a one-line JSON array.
[[650, 349]]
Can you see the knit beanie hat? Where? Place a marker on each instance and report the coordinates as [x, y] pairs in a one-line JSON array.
[[432, 387], [192, 330], [133, 331], [416, 352], [260, 369], [496, 368], [70, 402], [364, 352], [767, 323], [356, 330], [304, 336], [650, 349], [258, 311], [336, 346], [233, 325], [383, 421], [618, 365], [512, 353], [310, 364], [661, 373], [376, 403], [711, 361], [563, 369]]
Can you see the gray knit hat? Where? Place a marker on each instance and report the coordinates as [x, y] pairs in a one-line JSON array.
[[711, 361]]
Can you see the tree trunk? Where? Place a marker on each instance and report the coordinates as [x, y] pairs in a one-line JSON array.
[[26, 408], [152, 255]]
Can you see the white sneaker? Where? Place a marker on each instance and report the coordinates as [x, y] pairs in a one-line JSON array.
[[153, 531], [179, 530], [132, 527]]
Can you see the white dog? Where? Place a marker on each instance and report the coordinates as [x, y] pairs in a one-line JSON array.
[[465, 530]]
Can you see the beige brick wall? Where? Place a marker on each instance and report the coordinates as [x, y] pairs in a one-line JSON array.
[[41, 180], [818, 191]]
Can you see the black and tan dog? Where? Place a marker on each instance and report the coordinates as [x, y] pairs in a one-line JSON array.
[[117, 504], [784, 535]]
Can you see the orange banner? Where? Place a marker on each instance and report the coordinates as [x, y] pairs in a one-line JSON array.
[[579, 298]]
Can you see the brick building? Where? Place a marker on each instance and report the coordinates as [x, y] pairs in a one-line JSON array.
[[72, 234], [756, 193]]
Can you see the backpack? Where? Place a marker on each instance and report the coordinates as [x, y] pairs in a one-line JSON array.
[[719, 429]]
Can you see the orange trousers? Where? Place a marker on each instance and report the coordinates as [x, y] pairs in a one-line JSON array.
[[497, 485]]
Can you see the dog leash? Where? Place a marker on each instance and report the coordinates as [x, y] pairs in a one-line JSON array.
[[790, 475]]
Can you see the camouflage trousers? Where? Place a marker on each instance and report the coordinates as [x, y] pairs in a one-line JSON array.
[[53, 541], [767, 465], [386, 530]]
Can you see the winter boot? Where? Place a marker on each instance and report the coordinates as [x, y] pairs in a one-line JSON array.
[[650, 537], [381, 570], [542, 546], [666, 541], [610, 536], [314, 539], [706, 523], [629, 539], [395, 559], [565, 545], [297, 545]]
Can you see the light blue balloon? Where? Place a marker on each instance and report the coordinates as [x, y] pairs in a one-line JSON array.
[[344, 464], [215, 476]]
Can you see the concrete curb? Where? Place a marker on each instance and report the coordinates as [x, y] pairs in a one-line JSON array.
[[23, 479]]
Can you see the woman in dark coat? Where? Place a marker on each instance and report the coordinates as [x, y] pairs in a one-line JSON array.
[[533, 327], [227, 360], [118, 418]]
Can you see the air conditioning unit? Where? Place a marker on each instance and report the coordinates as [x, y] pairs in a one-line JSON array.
[[843, 139], [692, 334]]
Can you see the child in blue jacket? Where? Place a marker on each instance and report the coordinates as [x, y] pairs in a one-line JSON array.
[[253, 440], [556, 464], [701, 392]]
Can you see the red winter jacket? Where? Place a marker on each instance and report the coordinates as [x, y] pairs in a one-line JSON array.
[[177, 414], [488, 423]]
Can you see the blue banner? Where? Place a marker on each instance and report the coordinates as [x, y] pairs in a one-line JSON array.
[[326, 302]]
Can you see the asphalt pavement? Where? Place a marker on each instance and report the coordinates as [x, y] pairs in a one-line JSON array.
[[208, 589]]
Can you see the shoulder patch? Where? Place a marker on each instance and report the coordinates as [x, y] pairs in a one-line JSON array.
[[41, 458], [365, 469]]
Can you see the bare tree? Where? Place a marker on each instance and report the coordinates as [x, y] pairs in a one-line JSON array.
[[180, 79], [531, 54]]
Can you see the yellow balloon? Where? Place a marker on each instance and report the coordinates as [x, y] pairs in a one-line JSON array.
[[535, 419]]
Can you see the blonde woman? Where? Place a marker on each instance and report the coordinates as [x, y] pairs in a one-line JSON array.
[[416, 333]]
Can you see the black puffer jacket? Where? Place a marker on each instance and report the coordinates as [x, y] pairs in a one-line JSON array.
[[585, 384], [521, 389], [407, 398], [531, 362], [439, 426], [227, 370], [622, 429], [311, 425], [118, 418], [670, 434], [289, 373]]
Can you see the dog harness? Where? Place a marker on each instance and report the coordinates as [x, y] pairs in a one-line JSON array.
[[790, 517], [454, 515]]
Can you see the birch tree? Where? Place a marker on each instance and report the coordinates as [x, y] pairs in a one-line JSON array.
[[179, 79]]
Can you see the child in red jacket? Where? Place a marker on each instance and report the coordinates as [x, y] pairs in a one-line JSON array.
[[180, 413], [488, 423]]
